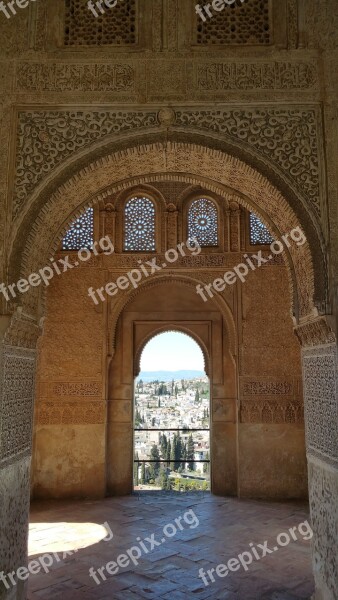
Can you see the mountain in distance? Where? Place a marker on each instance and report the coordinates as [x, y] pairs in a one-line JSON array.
[[169, 375]]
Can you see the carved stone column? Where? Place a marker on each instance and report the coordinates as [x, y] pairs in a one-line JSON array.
[[171, 226], [18, 337], [319, 355], [235, 227]]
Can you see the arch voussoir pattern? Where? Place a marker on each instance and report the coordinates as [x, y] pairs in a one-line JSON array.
[[185, 160]]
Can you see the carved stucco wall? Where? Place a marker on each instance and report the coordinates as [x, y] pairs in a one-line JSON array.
[[17, 390], [298, 68], [320, 368]]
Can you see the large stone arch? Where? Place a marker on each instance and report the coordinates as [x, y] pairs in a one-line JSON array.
[[104, 170], [222, 172], [140, 316], [171, 279]]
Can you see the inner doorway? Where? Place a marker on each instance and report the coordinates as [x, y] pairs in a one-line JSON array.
[[172, 416]]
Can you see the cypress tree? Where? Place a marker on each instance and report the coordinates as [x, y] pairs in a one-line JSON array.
[[168, 453], [190, 452], [143, 473]]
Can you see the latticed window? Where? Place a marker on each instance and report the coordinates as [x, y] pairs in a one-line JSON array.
[[139, 224], [203, 222], [259, 234], [80, 233], [242, 22], [88, 25]]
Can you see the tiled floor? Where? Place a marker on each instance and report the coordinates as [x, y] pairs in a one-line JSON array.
[[171, 570]]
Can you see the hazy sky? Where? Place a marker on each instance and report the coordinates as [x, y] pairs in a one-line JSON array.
[[172, 352]]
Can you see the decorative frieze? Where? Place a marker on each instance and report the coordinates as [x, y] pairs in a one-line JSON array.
[[70, 413], [267, 388], [216, 76], [271, 411], [315, 333], [80, 77], [76, 389]]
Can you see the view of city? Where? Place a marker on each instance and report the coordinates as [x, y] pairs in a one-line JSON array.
[[171, 432]]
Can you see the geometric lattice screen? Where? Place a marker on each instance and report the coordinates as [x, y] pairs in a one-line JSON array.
[[116, 26], [203, 222], [259, 234], [139, 225], [80, 233], [243, 22]]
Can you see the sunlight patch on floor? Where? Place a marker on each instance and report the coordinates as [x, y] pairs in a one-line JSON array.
[[63, 537]]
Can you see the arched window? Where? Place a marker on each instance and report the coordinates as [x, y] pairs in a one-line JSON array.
[[80, 233], [203, 222], [259, 234], [139, 224]]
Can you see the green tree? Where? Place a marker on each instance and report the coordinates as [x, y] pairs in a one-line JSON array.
[[176, 390], [206, 466], [168, 454], [143, 473], [138, 418], [164, 481], [154, 466], [197, 397], [163, 445], [173, 453], [190, 452], [136, 464]]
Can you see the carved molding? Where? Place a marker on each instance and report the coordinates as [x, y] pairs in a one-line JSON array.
[[23, 331], [263, 410], [265, 387], [70, 413], [80, 77], [215, 76], [58, 390], [315, 332]]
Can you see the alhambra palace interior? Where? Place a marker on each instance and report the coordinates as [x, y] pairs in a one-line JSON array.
[[234, 116]]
